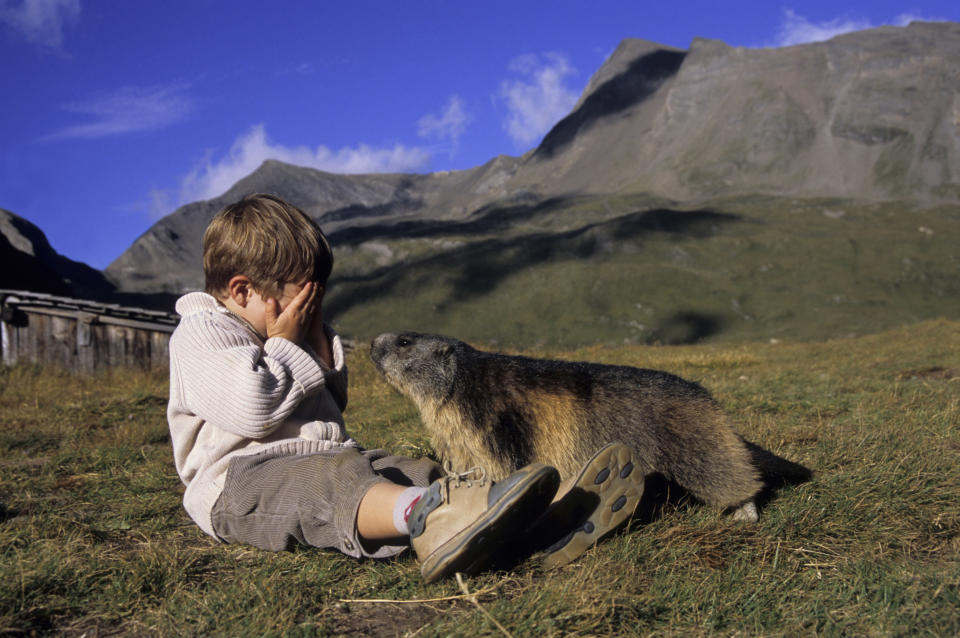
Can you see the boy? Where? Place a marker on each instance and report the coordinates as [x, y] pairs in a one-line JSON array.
[[257, 386]]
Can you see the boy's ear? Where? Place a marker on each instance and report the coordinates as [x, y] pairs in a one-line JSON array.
[[239, 288]]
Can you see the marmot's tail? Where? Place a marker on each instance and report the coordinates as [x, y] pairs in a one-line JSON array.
[[776, 470]]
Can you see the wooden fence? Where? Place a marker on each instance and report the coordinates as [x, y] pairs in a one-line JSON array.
[[80, 335]]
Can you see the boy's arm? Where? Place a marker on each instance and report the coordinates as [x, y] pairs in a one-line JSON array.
[[229, 380]]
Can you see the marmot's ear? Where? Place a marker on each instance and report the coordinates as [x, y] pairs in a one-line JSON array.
[[443, 350]]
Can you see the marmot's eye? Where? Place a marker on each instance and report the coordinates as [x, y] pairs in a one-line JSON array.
[[403, 342]]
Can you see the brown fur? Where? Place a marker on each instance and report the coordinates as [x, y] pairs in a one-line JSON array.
[[502, 412]]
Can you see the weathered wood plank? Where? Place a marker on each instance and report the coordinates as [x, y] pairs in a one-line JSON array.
[[79, 335]]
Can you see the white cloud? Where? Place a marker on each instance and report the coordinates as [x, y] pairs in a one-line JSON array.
[[797, 29], [127, 110], [539, 99], [449, 126], [40, 21], [213, 178]]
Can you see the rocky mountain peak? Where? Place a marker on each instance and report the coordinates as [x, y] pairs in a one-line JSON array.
[[28, 262], [873, 115]]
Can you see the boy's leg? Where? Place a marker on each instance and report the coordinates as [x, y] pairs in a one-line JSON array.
[[276, 502], [385, 507], [376, 518], [464, 520], [460, 524]]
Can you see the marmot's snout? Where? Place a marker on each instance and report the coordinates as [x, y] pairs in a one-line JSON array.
[[379, 348], [389, 343]]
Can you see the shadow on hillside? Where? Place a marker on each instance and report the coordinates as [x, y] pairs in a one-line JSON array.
[[22, 271], [478, 267], [485, 220], [685, 328], [358, 212], [46, 271], [641, 80]]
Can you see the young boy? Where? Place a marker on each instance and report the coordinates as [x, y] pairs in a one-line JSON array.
[[257, 386]]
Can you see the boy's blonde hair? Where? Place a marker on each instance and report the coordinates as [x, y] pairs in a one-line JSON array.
[[267, 239]]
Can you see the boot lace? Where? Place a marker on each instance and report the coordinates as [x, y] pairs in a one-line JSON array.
[[476, 475]]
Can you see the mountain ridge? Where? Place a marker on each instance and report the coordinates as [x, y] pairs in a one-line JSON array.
[[855, 116], [851, 136], [29, 262], [867, 115]]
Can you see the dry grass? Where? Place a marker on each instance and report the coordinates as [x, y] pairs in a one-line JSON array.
[[93, 540]]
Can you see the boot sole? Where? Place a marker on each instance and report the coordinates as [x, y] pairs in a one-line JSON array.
[[603, 497], [474, 547]]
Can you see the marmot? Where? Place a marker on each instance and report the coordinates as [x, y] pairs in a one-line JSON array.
[[502, 412]]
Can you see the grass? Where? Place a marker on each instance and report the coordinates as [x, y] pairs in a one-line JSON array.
[[93, 540]]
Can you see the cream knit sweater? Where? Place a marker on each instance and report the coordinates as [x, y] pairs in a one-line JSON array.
[[233, 393]]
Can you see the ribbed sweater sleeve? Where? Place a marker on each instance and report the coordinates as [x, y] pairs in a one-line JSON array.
[[232, 381]]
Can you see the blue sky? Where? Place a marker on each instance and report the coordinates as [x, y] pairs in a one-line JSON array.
[[114, 113]]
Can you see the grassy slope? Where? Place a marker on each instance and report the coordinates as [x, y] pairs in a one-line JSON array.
[[618, 270], [93, 539]]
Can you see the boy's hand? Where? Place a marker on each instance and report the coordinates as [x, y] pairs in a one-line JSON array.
[[293, 322]]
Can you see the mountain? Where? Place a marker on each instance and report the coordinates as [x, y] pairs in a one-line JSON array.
[[870, 115], [689, 194], [28, 262], [168, 258]]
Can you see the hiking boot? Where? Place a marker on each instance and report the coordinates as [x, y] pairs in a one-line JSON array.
[[588, 506], [464, 519]]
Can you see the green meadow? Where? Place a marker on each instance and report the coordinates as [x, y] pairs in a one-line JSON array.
[[630, 269], [94, 542]]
